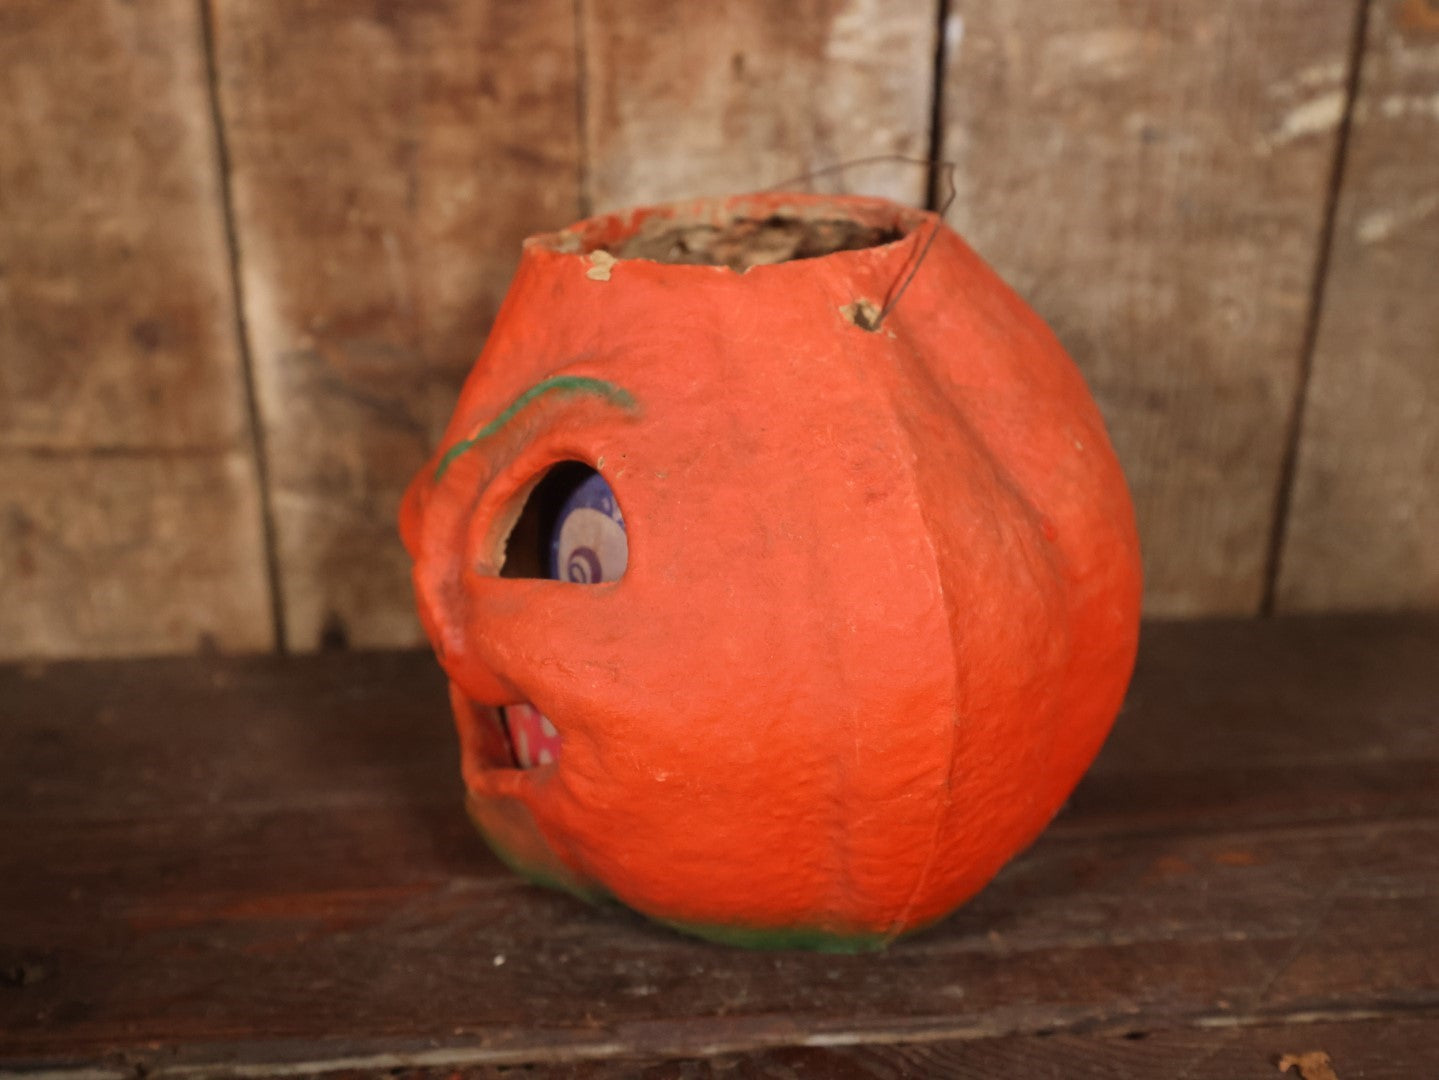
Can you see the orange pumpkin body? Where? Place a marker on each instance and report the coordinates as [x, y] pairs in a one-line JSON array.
[[882, 596]]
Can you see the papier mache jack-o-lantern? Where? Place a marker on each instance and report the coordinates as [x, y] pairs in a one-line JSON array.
[[859, 610]]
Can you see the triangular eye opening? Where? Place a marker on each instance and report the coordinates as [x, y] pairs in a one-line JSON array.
[[570, 529]]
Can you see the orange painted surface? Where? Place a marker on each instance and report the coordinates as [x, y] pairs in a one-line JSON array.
[[882, 596]]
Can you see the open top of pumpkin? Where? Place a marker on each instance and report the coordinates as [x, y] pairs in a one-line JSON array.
[[740, 234]]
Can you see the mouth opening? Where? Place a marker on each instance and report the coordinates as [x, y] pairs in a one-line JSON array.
[[530, 736], [516, 736]]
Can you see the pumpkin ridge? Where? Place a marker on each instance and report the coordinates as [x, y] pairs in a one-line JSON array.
[[905, 439], [941, 814]]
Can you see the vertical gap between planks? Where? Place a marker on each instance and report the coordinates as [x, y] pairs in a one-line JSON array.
[[1288, 468], [242, 332], [582, 112], [936, 105]]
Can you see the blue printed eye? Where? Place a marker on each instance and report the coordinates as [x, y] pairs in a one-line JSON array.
[[589, 544]]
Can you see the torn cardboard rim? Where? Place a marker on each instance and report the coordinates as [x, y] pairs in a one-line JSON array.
[[740, 233]]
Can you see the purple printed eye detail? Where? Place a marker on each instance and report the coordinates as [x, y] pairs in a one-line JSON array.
[[583, 567], [589, 544]]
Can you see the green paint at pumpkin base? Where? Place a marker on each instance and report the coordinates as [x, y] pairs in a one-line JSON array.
[[771, 938], [549, 879], [774, 939], [561, 385]]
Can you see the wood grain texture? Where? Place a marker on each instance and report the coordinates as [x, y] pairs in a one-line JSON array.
[[122, 554], [225, 862], [717, 98], [128, 516], [1391, 1049], [1362, 528], [1151, 176], [387, 160]]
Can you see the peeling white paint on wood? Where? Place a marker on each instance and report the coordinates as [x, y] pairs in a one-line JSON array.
[[1397, 105], [1311, 77], [1379, 225], [953, 36], [1316, 116]]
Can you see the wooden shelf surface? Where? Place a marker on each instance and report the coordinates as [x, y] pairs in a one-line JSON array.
[[261, 866]]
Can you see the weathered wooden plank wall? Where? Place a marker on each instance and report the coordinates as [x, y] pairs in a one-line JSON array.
[[1152, 176], [1158, 177], [383, 180], [706, 99], [1363, 524], [386, 161], [129, 517]]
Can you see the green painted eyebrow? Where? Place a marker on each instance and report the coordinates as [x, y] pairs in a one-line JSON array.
[[563, 385]]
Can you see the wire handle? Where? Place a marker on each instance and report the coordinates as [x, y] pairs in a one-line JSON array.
[[902, 284]]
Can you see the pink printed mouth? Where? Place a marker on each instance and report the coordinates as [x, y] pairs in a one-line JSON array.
[[533, 740]]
